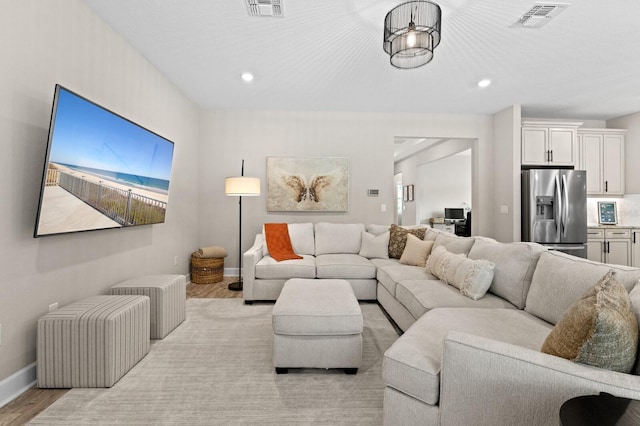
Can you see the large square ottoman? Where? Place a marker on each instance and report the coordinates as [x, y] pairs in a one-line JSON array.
[[168, 296], [317, 324], [92, 343]]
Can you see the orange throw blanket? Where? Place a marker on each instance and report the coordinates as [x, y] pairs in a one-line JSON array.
[[279, 242]]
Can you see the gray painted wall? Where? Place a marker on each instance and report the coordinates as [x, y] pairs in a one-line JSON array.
[[47, 42]]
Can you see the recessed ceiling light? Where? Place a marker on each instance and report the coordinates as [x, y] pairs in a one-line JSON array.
[[247, 76], [484, 83]]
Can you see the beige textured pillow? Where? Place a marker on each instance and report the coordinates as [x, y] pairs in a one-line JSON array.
[[398, 239], [443, 264], [599, 329], [416, 251]]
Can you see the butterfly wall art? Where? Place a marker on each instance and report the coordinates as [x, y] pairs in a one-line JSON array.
[[307, 184]]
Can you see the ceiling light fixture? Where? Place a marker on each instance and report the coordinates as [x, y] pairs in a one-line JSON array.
[[247, 76], [411, 33], [484, 82]]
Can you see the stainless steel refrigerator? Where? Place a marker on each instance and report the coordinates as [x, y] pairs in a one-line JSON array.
[[554, 209]]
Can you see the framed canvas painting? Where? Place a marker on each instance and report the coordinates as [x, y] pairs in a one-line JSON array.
[[307, 184]]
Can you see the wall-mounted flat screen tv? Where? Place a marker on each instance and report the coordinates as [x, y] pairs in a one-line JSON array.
[[101, 170]]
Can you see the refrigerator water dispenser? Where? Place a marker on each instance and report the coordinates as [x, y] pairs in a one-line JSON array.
[[544, 207]]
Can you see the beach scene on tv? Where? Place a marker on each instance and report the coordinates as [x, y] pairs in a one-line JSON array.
[[103, 171]]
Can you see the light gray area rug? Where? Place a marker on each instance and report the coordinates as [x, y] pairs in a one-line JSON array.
[[216, 369]]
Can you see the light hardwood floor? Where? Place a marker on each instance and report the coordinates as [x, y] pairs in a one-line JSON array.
[[35, 400]]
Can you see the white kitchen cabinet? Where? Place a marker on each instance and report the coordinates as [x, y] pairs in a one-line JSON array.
[[602, 156], [609, 245], [635, 247], [549, 144]]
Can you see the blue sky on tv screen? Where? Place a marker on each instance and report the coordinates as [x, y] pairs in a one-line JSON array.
[[89, 136]]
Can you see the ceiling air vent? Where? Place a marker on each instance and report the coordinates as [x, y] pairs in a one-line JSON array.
[[273, 8], [539, 14]]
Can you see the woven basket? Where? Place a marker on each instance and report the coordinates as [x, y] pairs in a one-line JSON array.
[[206, 270]]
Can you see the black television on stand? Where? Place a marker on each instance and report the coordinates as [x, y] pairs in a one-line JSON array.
[[101, 170]]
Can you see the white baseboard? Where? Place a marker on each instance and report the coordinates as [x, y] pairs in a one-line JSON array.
[[230, 272], [17, 384]]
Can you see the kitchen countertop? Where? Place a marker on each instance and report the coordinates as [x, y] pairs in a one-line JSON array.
[[599, 226]]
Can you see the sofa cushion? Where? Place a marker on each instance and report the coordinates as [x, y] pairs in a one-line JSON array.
[[375, 246], [420, 296], [344, 266], [333, 238], [390, 274], [412, 364], [268, 268], [416, 251], [377, 229], [398, 239], [561, 279], [302, 240], [599, 329], [514, 266], [454, 244]]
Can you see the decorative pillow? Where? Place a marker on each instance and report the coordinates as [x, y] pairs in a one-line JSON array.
[[442, 264], [473, 277], [375, 246], [398, 239], [599, 329], [416, 251]]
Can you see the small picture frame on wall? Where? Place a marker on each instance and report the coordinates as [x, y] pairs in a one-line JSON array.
[[405, 193], [410, 193], [607, 213]]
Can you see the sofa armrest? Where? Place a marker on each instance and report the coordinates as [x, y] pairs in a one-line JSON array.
[[484, 381], [249, 260]]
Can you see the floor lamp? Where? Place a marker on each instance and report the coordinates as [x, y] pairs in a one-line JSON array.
[[240, 186]]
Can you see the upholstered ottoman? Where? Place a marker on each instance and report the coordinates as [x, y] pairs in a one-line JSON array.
[[92, 343], [168, 296], [317, 324]]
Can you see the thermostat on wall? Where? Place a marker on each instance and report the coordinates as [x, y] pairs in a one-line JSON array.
[[372, 192]]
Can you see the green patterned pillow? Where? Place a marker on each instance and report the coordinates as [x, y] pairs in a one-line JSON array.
[[599, 329]]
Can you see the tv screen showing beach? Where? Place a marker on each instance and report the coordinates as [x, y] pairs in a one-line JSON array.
[[101, 171]]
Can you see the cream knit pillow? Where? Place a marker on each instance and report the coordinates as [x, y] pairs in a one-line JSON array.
[[472, 277]]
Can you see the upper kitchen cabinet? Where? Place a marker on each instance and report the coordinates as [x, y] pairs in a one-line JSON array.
[[549, 143], [602, 156]]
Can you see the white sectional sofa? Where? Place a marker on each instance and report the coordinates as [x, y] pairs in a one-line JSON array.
[[328, 250], [462, 361]]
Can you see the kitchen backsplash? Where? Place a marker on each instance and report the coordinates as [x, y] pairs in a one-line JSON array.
[[628, 210]]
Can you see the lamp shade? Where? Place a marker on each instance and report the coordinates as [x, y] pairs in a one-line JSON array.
[[242, 186], [411, 33]]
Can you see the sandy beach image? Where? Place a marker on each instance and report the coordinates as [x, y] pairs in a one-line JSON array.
[[97, 179], [62, 211]]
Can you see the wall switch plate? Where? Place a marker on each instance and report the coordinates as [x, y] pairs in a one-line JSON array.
[[504, 209], [53, 306], [175, 260], [383, 207]]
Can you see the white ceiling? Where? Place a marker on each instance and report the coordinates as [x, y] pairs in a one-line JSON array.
[[327, 55]]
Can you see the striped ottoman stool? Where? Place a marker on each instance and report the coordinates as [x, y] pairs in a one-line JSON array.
[[92, 343], [168, 296]]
